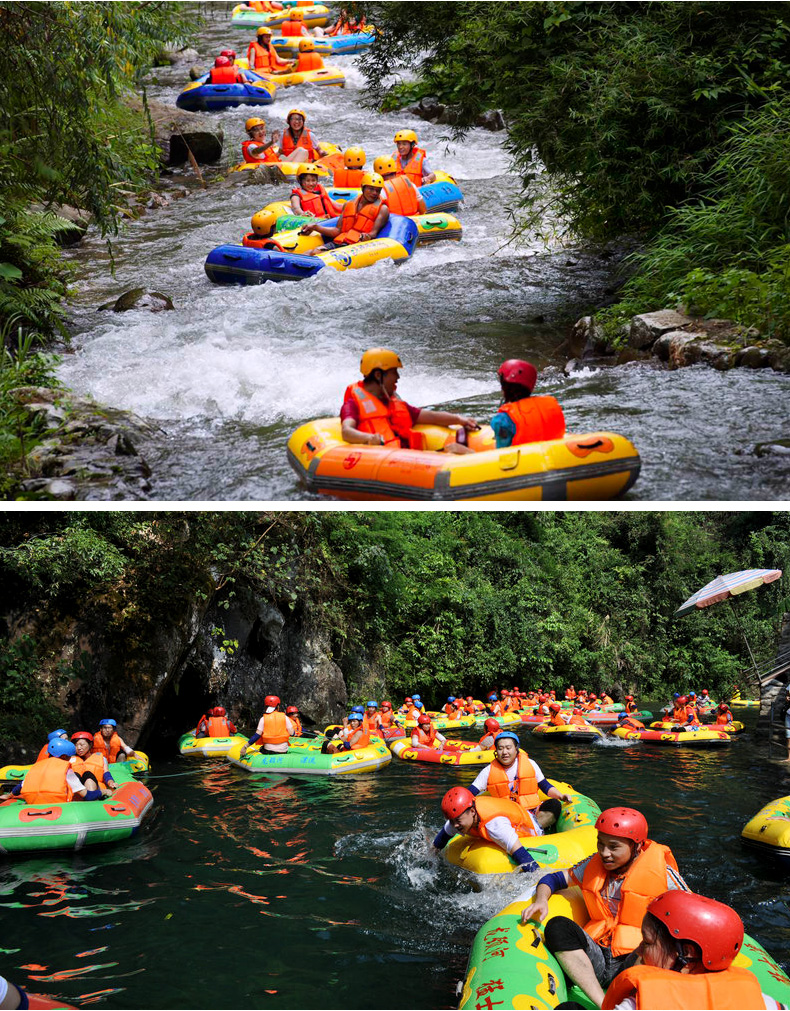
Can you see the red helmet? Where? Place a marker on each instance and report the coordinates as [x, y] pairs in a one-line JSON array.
[[704, 691], [230, 53], [492, 725], [82, 735], [386, 705], [555, 706], [219, 711], [520, 372], [223, 61], [408, 699], [423, 718], [456, 801], [543, 698], [723, 707], [593, 697], [625, 823], [716, 928], [504, 692], [577, 712], [629, 698], [271, 701], [291, 710], [682, 700], [516, 689], [469, 698]]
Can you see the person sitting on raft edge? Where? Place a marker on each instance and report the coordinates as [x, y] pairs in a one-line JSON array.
[[374, 415], [274, 729], [361, 219], [522, 418]]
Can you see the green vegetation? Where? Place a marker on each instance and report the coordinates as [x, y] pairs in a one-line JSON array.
[[436, 602], [67, 138], [662, 120]]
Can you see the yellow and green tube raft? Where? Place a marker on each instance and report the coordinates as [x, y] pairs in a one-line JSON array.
[[209, 747], [304, 758], [121, 771], [769, 831]]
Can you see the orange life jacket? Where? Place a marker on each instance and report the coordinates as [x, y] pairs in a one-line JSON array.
[[644, 881], [349, 28], [485, 736], [297, 725], [264, 58], [357, 220], [45, 783], [387, 718], [525, 786], [348, 178], [537, 419], [557, 720], [630, 707], [392, 420], [695, 721], [450, 710], [425, 738], [412, 169], [108, 749], [402, 196], [679, 715], [43, 753], [632, 724], [363, 742], [309, 61], [606, 700], [570, 694], [318, 202], [371, 724], [288, 145], [264, 6], [225, 75], [495, 709], [654, 988], [578, 720], [724, 718], [275, 730], [269, 155], [218, 726], [293, 29], [489, 808], [91, 763]]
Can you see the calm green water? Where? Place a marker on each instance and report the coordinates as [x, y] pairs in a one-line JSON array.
[[257, 892]]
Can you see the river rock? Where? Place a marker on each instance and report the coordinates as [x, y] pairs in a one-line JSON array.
[[196, 72], [69, 224], [139, 298], [169, 57], [176, 132], [261, 175], [647, 328], [588, 339]]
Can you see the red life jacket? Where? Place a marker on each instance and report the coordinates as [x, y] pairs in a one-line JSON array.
[[402, 196], [357, 220], [348, 178], [318, 203], [309, 61], [289, 145], [349, 28], [269, 155], [489, 808], [656, 989], [412, 169], [524, 787], [108, 749], [425, 738], [218, 726], [644, 881], [537, 419], [225, 75], [45, 783], [293, 29], [392, 420], [275, 730]]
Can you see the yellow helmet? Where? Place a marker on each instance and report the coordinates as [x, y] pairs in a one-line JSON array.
[[296, 112], [252, 123], [372, 179], [264, 223], [263, 30], [379, 358], [296, 15], [408, 135], [308, 169], [385, 165], [307, 46], [354, 157]]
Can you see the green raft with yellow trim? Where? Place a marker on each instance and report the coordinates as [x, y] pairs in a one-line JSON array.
[[304, 758]]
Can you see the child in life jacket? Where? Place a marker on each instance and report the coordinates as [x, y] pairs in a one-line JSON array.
[[256, 150], [361, 220], [618, 883], [310, 197], [689, 943], [522, 418]]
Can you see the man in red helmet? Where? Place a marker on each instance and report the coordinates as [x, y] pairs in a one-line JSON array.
[[225, 72], [273, 731], [618, 884], [494, 819], [215, 723], [486, 742], [523, 418], [689, 943], [425, 734]]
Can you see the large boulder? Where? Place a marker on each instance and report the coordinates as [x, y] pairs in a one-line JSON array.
[[179, 133], [647, 328], [139, 298]]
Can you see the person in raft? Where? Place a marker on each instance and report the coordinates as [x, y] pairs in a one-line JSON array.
[[352, 737], [256, 150], [295, 27], [361, 219], [400, 193], [374, 415], [310, 197], [522, 418], [689, 943], [292, 712], [425, 734], [263, 57], [215, 723], [411, 160], [629, 722], [371, 720], [92, 768], [486, 742], [108, 743], [51, 737], [618, 883], [514, 775], [497, 820], [297, 143], [274, 729], [53, 781]]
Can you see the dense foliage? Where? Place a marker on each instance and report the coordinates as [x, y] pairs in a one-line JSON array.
[[433, 601], [662, 119]]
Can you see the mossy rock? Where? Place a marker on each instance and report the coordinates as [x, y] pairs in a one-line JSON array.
[[139, 298]]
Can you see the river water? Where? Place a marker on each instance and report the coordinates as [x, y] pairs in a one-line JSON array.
[[254, 891], [229, 375]]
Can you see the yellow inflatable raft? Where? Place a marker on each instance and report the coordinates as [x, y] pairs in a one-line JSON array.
[[769, 831], [288, 169], [208, 747], [570, 732], [575, 839], [728, 728], [315, 15], [325, 76], [137, 765], [596, 466]]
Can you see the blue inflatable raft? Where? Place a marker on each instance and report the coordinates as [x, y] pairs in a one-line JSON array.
[[340, 45], [439, 197], [200, 96]]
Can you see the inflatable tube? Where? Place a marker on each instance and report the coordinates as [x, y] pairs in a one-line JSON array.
[[430, 228], [575, 839], [440, 197], [769, 831], [452, 753], [727, 728], [570, 732], [704, 738], [596, 466], [441, 722], [315, 16], [285, 171], [336, 45], [744, 703], [326, 76], [208, 747], [526, 975], [30, 828], [505, 721], [200, 96], [241, 265], [39, 1003], [304, 758], [122, 772], [393, 733]]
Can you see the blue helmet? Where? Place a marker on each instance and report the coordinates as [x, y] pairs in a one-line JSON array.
[[107, 723], [622, 716], [416, 698], [506, 735], [372, 705], [357, 709], [492, 697], [56, 733], [676, 695], [451, 698], [58, 748], [353, 715]]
